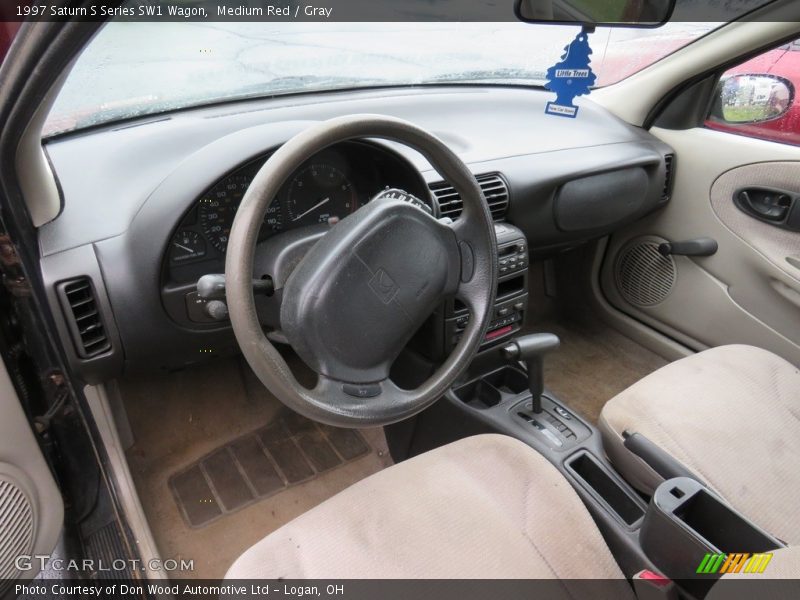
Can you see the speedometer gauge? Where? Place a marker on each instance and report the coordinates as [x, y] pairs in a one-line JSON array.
[[318, 193], [218, 209], [274, 217]]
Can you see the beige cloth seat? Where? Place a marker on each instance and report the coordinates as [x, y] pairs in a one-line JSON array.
[[483, 507], [732, 416]]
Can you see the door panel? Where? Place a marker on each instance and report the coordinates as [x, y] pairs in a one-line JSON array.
[[775, 243], [749, 291], [31, 508]]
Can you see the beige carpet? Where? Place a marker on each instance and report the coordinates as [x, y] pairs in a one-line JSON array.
[[178, 418], [593, 364]]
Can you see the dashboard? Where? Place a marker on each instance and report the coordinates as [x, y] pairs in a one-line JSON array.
[[327, 188], [154, 211]]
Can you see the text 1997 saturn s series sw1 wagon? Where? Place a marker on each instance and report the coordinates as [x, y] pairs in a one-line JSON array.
[[419, 299]]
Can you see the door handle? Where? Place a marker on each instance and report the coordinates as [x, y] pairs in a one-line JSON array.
[[698, 247], [773, 206]]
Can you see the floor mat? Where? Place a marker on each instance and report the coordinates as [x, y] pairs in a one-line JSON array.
[[179, 419], [289, 451]]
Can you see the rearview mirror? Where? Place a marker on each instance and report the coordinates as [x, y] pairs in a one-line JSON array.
[[625, 13], [747, 99]]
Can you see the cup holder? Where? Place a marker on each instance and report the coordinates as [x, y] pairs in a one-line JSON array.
[[508, 380], [494, 388]]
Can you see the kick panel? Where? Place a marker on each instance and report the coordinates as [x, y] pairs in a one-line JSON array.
[[16, 526]]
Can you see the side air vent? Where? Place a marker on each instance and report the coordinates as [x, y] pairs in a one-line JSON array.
[[16, 529], [86, 323], [494, 188], [644, 276], [669, 165]]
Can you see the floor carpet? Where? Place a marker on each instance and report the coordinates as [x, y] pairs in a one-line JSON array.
[[181, 418]]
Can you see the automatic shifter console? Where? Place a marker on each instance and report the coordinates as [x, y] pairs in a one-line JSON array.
[[540, 414], [531, 349]]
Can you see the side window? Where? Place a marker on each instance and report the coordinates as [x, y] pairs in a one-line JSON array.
[[758, 98]]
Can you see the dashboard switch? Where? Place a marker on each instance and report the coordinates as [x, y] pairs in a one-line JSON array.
[[217, 310], [196, 308], [563, 413]]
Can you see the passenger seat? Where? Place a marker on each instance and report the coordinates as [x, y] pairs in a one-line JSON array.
[[731, 417]]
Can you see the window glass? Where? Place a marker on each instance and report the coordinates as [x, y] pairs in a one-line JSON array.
[[133, 69], [758, 98]]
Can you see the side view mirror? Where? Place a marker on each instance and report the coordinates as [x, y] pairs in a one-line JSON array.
[[752, 98], [628, 13]]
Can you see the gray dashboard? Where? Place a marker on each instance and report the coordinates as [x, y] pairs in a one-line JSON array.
[[127, 187]]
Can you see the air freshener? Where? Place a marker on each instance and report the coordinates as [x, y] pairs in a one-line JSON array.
[[570, 77]]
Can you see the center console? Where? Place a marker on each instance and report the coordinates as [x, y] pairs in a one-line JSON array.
[[694, 536], [504, 392], [511, 300], [444, 329], [675, 534]]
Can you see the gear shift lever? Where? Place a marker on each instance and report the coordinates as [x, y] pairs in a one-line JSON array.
[[531, 350]]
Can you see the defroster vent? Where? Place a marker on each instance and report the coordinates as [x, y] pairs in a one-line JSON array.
[[494, 189], [83, 314]]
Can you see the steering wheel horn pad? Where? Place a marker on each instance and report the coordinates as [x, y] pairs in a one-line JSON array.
[[358, 296]]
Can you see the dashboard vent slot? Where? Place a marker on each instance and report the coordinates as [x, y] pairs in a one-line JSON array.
[[86, 324], [494, 189], [669, 165]]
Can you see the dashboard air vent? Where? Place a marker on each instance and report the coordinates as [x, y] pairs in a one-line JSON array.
[[669, 165], [86, 323], [494, 188]]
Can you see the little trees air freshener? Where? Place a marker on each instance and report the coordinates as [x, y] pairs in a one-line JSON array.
[[570, 77]]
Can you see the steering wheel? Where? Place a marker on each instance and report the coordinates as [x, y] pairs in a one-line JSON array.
[[357, 297]]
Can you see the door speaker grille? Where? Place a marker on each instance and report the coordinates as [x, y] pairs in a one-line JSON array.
[[16, 529], [645, 277]]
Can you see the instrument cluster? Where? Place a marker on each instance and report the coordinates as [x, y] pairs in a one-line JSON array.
[[328, 187]]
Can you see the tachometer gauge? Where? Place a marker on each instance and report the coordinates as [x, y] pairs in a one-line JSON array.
[[317, 193], [186, 245]]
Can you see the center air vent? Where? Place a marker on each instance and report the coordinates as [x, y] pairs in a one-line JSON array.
[[494, 189], [83, 315]]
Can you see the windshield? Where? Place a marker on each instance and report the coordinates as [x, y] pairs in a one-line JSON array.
[[136, 68]]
